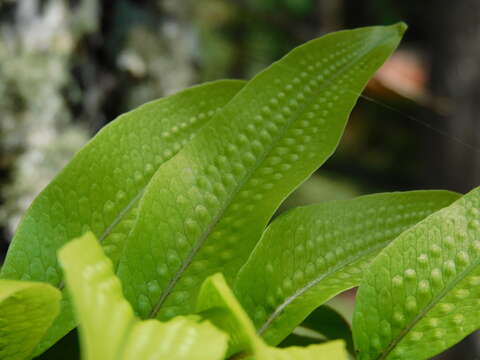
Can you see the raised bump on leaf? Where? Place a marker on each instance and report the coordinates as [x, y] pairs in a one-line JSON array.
[[421, 294], [312, 253]]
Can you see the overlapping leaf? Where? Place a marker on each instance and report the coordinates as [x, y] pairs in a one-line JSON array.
[[421, 293], [108, 327], [207, 207], [217, 301], [100, 187], [312, 253], [27, 310]]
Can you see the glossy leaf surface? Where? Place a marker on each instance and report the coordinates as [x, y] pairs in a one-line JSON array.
[[311, 254], [99, 189], [27, 310], [217, 301], [205, 209], [421, 293], [108, 327]]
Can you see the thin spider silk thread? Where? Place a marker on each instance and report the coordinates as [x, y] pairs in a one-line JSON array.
[[425, 124]]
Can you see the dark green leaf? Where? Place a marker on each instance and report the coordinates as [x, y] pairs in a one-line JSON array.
[[323, 324]]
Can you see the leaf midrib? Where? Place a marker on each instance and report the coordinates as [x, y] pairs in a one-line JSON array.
[[426, 309], [172, 283], [279, 309], [122, 214]]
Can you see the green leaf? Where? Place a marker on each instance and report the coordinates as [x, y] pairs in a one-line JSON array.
[[207, 207], [421, 293], [27, 310], [99, 189], [312, 253], [323, 324], [217, 302], [109, 329]]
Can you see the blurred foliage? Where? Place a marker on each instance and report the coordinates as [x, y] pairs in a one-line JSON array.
[[37, 133]]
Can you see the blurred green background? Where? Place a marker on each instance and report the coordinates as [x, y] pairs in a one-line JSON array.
[[69, 67]]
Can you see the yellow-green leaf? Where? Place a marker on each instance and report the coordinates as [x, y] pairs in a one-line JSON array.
[[27, 310], [217, 302], [109, 329]]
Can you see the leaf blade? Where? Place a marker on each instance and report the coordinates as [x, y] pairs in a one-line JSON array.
[[235, 167], [108, 327], [26, 311], [229, 316], [311, 254], [425, 285]]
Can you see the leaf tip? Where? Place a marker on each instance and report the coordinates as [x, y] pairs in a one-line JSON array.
[[401, 27]]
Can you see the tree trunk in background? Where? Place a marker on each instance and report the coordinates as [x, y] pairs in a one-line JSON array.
[[455, 40]]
